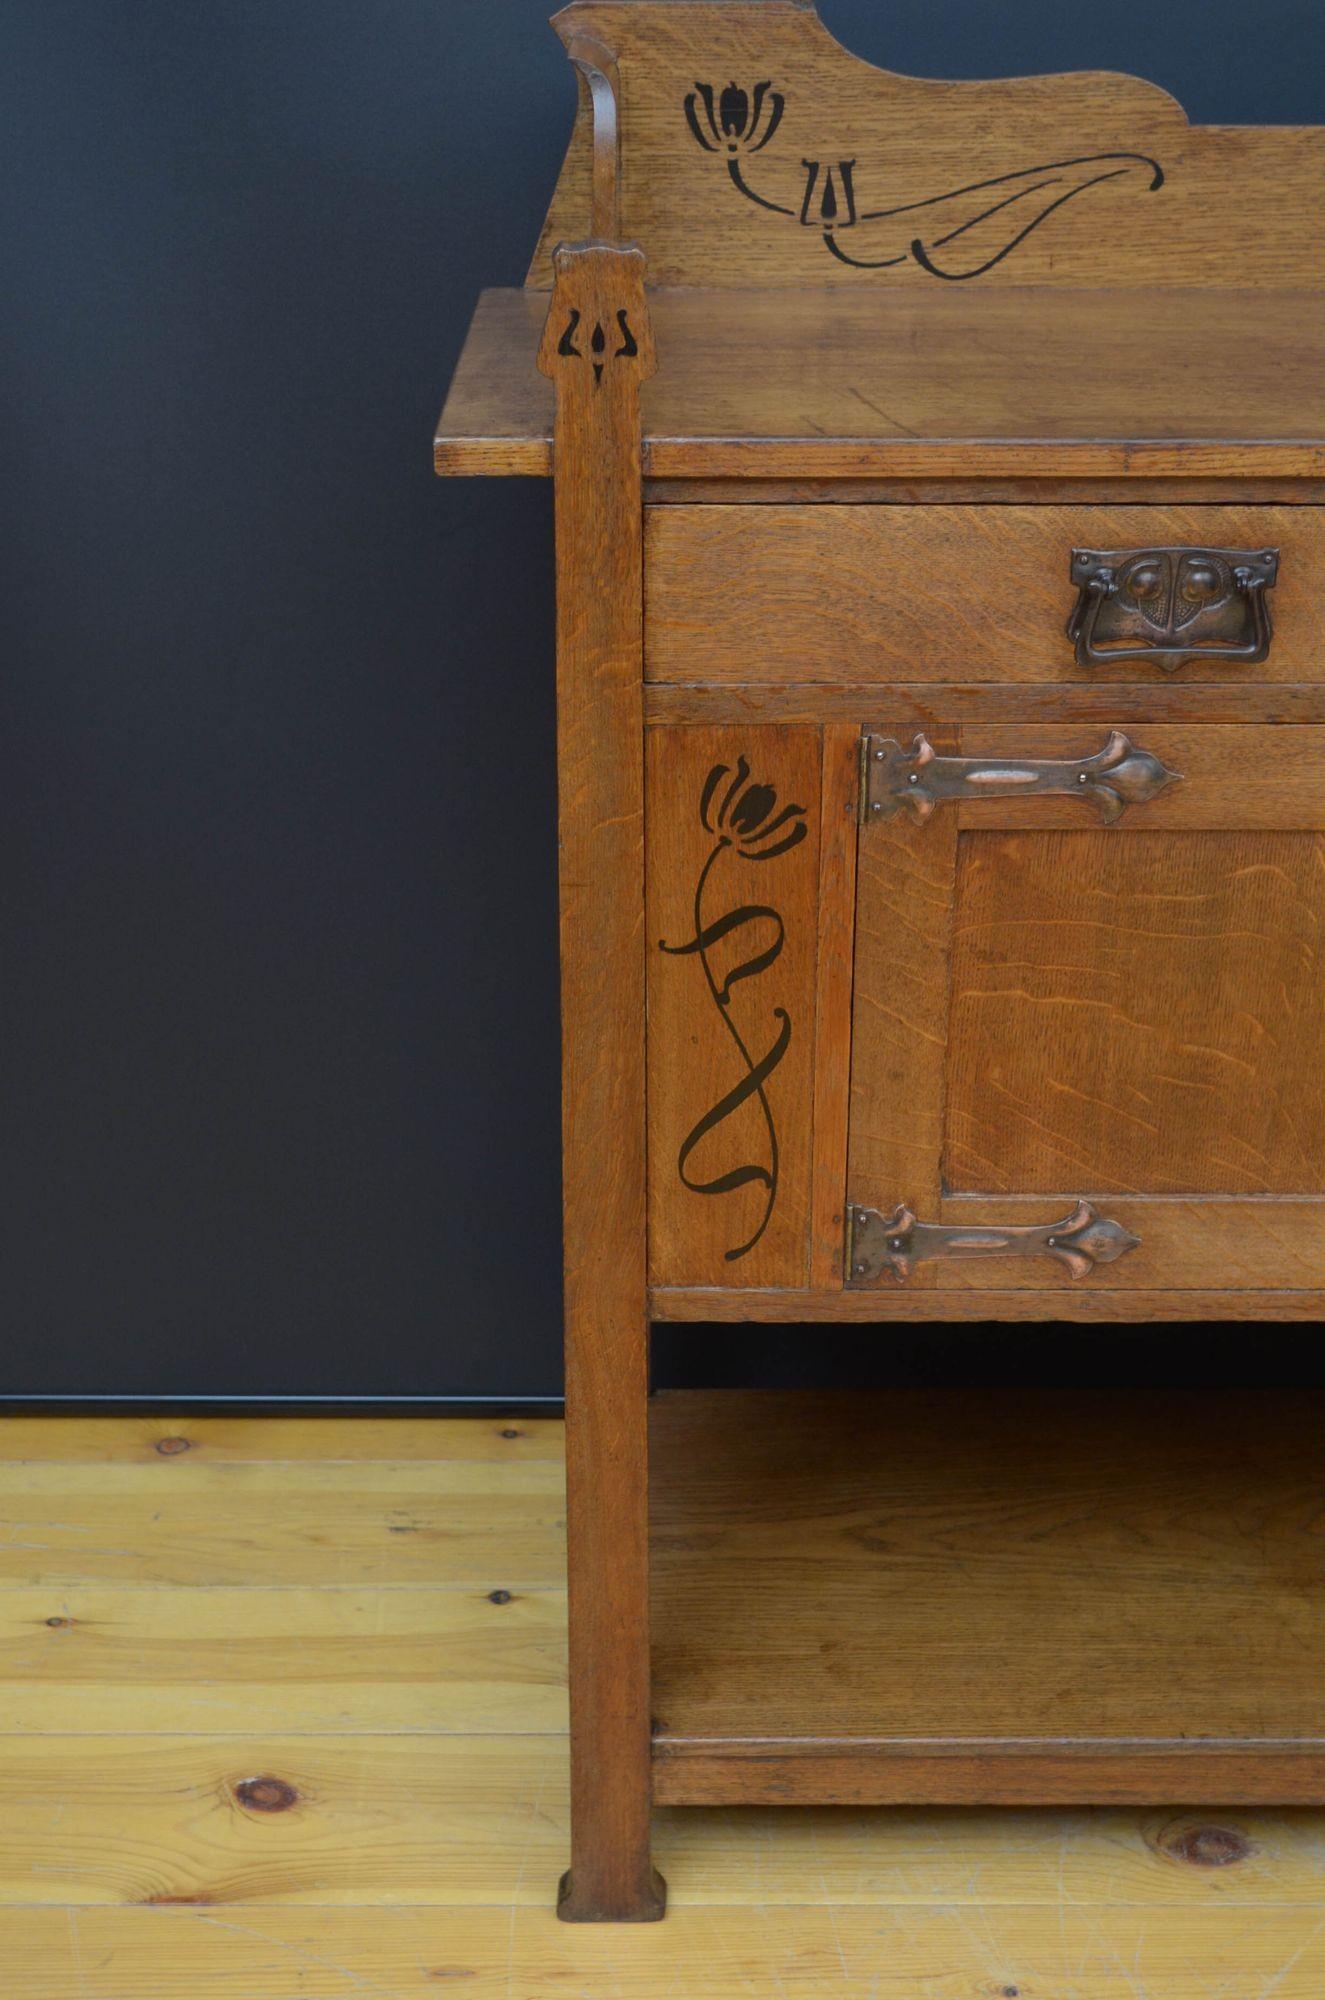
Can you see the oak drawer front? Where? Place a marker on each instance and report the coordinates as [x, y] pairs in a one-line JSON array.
[[1083, 1030], [871, 593]]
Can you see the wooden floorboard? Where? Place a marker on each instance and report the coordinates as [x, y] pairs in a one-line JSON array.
[[729, 1954], [304, 1660], [281, 1715], [142, 1439], [183, 1522], [273, 1822]]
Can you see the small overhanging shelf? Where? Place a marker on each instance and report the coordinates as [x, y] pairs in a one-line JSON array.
[[944, 384]]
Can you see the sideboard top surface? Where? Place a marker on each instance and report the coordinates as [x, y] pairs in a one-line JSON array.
[[857, 274], [940, 382]]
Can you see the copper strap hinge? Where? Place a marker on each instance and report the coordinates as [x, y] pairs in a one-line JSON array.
[[895, 780], [880, 1246]]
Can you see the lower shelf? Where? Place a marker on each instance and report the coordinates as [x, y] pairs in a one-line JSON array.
[[995, 1597]]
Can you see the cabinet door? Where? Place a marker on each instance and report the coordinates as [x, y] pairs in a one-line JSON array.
[[1089, 1027]]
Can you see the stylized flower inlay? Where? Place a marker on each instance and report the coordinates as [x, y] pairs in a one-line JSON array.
[[959, 233], [737, 123], [830, 194], [746, 817], [744, 820]]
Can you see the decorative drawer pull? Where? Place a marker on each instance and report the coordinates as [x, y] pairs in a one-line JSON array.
[[896, 1243], [918, 779], [1171, 605]]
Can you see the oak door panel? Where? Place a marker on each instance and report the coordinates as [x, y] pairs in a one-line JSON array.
[[1137, 1012], [960, 594], [732, 820], [1052, 1008]]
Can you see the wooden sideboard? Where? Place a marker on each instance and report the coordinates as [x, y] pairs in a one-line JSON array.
[[938, 478]]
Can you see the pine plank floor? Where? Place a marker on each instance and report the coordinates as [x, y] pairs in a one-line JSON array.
[[282, 1711]]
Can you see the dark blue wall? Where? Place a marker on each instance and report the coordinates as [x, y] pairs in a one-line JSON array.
[[278, 1042]]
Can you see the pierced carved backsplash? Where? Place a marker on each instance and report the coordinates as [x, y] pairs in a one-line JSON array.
[[757, 151]]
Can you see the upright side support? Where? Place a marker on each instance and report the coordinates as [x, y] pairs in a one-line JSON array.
[[597, 349]]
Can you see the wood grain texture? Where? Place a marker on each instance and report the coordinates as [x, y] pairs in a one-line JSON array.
[[839, 1570], [899, 1056], [600, 785], [957, 594], [900, 1305], [911, 140], [953, 490], [883, 1953], [952, 383], [838, 839], [498, 413], [157, 1823], [180, 1442], [292, 1660], [1138, 1013], [933, 705], [282, 1524], [889, 1771], [378, 1822], [256, 1819], [718, 1018]]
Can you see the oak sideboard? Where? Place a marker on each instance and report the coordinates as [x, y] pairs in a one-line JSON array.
[[938, 475]]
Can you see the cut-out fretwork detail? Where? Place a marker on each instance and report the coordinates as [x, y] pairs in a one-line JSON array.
[[746, 824], [960, 233], [628, 349]]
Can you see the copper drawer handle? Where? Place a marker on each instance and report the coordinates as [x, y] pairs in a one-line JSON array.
[[1169, 606], [918, 779], [894, 1244]]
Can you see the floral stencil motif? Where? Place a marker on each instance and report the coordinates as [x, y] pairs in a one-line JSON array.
[[628, 349], [746, 824], [740, 124], [985, 219]]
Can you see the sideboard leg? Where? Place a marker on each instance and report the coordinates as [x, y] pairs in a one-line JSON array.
[[597, 350], [611, 1877]]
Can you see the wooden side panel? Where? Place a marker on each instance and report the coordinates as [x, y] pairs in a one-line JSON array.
[[1138, 1013], [756, 150], [733, 820], [904, 907], [936, 593]]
